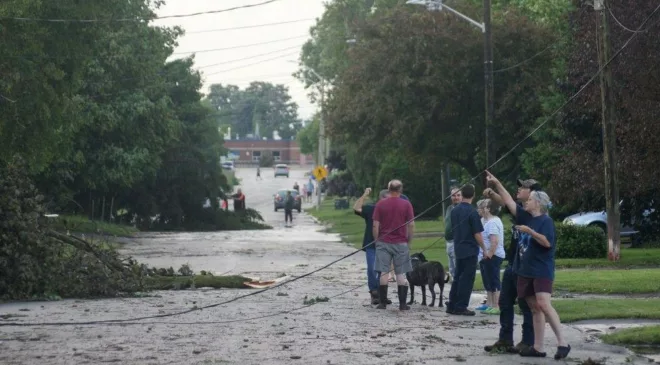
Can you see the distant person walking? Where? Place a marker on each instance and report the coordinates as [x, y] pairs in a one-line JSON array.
[[456, 199], [296, 187], [258, 173], [310, 190], [393, 229], [288, 208], [366, 211], [466, 228]]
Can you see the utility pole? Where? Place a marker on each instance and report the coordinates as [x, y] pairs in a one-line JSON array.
[[609, 139], [320, 158], [489, 85]]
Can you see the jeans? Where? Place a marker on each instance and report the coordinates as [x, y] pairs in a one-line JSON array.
[[452, 258], [288, 216], [372, 275], [461, 288], [506, 303]]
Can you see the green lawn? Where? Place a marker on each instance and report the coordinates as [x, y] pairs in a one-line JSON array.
[[638, 336], [572, 310], [80, 224], [351, 228]]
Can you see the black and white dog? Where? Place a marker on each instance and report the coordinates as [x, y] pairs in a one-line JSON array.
[[426, 273]]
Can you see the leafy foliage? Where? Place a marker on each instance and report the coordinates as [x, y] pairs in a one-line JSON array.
[[261, 105], [579, 242], [36, 261], [579, 177]]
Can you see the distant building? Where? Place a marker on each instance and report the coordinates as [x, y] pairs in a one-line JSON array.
[[249, 151]]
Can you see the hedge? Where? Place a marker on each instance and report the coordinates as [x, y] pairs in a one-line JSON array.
[[580, 242]]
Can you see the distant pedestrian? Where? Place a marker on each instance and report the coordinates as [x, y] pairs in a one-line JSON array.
[[393, 229], [466, 228], [296, 187], [310, 190], [258, 173], [366, 211], [456, 199], [239, 201], [288, 208]]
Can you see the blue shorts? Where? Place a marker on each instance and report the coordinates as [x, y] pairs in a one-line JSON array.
[[490, 273]]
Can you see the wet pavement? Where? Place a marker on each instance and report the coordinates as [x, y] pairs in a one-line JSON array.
[[275, 327]]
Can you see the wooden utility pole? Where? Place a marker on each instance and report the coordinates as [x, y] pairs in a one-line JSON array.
[[489, 85], [609, 139]]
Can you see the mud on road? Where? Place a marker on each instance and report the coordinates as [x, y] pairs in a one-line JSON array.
[[343, 330]]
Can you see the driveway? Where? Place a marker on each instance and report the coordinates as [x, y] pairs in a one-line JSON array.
[[274, 327]]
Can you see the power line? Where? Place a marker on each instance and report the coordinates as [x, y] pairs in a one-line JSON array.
[[525, 61], [138, 19], [248, 58], [242, 46], [6, 98], [249, 26], [548, 119], [623, 26], [252, 64]]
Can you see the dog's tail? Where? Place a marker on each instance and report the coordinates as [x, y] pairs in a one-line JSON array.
[[447, 277]]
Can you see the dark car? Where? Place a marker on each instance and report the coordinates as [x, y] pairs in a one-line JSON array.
[[279, 199]]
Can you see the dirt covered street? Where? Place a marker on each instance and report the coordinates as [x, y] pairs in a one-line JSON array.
[[343, 330]]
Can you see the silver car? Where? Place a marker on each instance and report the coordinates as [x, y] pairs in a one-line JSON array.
[[597, 219]]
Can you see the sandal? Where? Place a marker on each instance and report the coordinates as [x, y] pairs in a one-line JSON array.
[[532, 352], [562, 352]]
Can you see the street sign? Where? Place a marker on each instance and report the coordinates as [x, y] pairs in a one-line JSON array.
[[320, 173]]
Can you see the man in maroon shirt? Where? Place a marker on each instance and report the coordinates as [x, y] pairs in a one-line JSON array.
[[393, 230]]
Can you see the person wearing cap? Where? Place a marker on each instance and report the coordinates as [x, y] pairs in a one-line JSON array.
[[534, 264], [509, 291], [393, 230], [366, 211]]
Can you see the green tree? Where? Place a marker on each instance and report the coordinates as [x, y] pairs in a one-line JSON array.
[[262, 107]]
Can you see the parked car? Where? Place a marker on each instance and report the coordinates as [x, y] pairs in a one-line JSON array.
[[278, 199], [228, 165], [281, 170], [599, 220]]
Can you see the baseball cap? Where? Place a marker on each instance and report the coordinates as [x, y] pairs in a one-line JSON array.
[[530, 184]]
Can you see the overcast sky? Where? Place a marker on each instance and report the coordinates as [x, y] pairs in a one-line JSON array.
[[250, 59]]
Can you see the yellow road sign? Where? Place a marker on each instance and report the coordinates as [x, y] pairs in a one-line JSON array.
[[320, 173]]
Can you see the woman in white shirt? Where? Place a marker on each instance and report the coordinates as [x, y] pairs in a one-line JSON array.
[[491, 263]]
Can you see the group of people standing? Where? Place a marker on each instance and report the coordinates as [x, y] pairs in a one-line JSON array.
[[475, 240]]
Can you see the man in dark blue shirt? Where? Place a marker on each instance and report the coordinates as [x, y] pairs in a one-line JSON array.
[[366, 211], [466, 228]]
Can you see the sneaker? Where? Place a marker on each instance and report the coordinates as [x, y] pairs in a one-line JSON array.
[[494, 311], [532, 352], [500, 346], [464, 312], [482, 307]]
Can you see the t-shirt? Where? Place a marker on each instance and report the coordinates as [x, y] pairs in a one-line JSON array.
[[393, 214], [367, 214], [288, 202], [495, 227], [532, 259], [465, 223]]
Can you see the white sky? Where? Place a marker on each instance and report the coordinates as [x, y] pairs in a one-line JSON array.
[[275, 67]]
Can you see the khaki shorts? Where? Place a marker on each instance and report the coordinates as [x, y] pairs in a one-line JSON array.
[[397, 254]]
